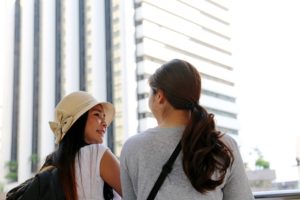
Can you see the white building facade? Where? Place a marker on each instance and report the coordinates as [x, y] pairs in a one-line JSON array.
[[195, 31]]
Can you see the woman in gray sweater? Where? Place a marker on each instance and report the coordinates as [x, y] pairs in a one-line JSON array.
[[209, 167]]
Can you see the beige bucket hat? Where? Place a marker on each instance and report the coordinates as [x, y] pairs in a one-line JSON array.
[[72, 107]]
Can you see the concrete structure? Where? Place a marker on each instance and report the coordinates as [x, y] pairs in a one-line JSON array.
[[124, 72], [200, 35], [261, 180], [298, 157]]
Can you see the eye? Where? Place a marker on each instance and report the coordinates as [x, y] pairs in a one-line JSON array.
[[98, 114]]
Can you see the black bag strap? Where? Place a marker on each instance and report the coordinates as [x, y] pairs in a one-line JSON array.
[[108, 193], [166, 169], [19, 190], [45, 186], [36, 189]]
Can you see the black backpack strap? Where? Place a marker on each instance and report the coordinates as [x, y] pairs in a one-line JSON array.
[[108, 193], [45, 186], [19, 190], [166, 169]]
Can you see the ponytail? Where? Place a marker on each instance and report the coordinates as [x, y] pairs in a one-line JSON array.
[[205, 157]]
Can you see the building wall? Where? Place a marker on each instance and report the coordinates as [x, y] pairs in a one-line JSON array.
[[70, 46], [48, 81], [196, 31], [25, 90], [124, 72], [118, 84], [6, 68], [298, 157]]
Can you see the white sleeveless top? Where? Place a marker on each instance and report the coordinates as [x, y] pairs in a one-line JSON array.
[[87, 169]]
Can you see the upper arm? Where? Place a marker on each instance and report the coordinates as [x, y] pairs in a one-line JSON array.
[[127, 186], [110, 170]]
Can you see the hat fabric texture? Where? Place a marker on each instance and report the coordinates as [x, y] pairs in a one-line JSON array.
[[72, 107]]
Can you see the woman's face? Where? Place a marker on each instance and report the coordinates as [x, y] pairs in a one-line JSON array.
[[151, 99], [95, 126], [152, 102]]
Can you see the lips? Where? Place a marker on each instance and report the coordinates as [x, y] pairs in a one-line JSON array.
[[101, 131]]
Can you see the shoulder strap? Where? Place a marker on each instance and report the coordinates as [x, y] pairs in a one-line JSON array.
[[37, 187], [19, 190], [166, 169], [45, 186]]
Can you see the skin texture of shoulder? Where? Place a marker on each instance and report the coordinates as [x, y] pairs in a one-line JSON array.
[[110, 170]]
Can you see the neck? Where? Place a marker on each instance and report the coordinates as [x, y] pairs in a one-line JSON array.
[[174, 118]]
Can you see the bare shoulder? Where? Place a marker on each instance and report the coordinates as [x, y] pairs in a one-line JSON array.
[[110, 170]]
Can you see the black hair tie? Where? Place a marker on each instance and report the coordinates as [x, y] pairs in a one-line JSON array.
[[190, 106]]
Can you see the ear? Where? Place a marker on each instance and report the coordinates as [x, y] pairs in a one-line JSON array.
[[160, 97]]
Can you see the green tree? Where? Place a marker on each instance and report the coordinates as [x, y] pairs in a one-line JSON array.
[[262, 164], [12, 175]]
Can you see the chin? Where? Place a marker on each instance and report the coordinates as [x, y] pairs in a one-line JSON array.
[[100, 141], [96, 142]]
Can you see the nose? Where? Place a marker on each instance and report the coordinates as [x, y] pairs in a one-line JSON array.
[[103, 122]]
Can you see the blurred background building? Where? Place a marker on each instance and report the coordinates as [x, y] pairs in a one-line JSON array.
[[108, 48]]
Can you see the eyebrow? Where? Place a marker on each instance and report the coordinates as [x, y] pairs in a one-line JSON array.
[[96, 109]]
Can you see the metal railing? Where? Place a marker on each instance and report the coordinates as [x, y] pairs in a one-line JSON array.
[[278, 195]]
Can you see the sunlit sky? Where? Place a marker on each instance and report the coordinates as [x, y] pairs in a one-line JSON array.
[[266, 39]]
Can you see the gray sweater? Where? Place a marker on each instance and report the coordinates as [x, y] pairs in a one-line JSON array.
[[143, 156]]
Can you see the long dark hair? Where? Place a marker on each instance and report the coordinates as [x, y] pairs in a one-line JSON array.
[[65, 156], [204, 153]]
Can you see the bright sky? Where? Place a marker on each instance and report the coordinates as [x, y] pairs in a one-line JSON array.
[[266, 38]]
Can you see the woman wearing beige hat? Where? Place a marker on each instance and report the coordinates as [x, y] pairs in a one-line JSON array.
[[83, 163]]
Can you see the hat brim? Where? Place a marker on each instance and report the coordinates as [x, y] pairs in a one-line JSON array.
[[109, 111]]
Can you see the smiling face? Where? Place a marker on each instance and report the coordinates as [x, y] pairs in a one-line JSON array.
[[95, 125]]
